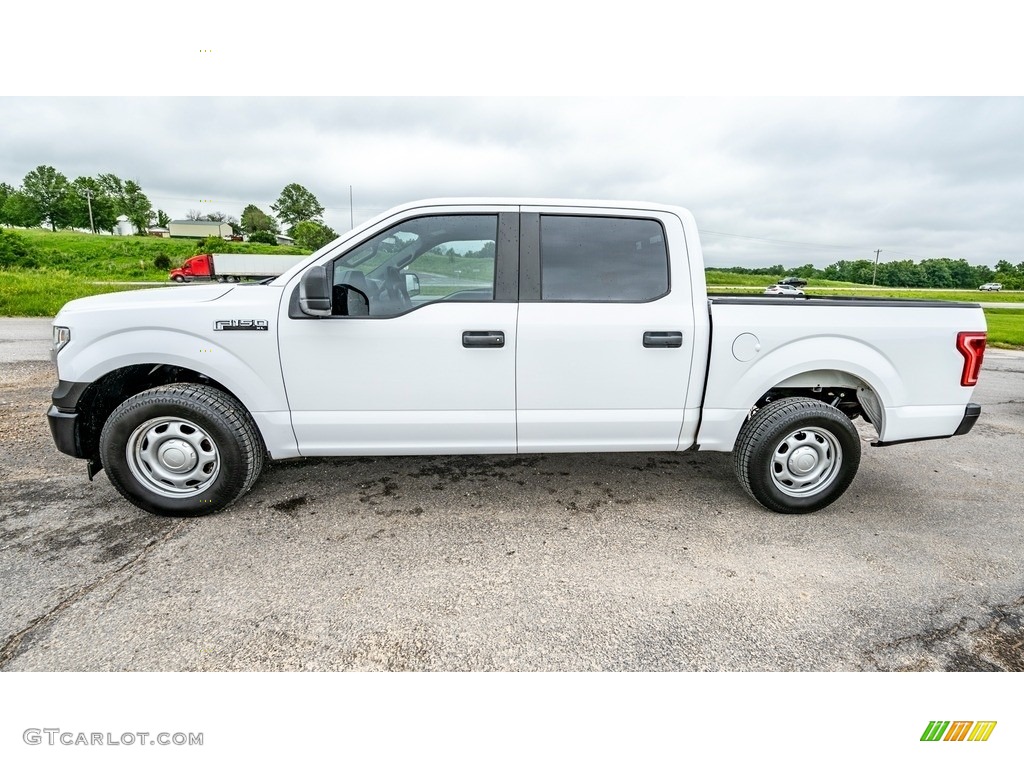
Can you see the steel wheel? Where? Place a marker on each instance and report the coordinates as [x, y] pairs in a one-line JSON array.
[[806, 461], [181, 449], [796, 455], [173, 457]]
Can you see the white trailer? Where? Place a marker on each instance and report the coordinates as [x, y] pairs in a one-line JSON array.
[[239, 265]]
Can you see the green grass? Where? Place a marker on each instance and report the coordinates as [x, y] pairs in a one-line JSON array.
[[41, 293], [927, 293], [1005, 328]]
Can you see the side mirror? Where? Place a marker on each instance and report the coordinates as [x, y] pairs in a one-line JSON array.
[[412, 283], [315, 293]]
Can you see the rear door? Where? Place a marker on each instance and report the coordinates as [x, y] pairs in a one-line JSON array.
[[605, 332]]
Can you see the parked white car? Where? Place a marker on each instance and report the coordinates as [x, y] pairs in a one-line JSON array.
[[501, 326], [782, 290]]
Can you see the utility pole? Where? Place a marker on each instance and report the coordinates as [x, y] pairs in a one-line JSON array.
[[875, 270], [351, 212], [88, 197]]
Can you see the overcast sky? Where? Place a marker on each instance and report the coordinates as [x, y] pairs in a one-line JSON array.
[[835, 177]]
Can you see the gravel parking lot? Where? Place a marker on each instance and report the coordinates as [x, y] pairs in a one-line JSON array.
[[564, 562]]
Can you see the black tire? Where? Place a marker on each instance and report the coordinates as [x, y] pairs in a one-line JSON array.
[[181, 450], [822, 450]]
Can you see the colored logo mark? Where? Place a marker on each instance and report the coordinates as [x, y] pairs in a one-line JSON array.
[[958, 730]]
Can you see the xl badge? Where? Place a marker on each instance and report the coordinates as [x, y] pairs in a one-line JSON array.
[[241, 325]]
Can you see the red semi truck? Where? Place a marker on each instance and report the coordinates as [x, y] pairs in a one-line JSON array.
[[232, 267]]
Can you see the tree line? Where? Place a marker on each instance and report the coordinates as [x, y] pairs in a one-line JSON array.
[[48, 198], [928, 273]]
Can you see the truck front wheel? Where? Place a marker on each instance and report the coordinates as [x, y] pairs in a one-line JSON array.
[[797, 455], [181, 450]]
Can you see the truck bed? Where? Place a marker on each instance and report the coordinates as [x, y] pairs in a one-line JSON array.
[[901, 353]]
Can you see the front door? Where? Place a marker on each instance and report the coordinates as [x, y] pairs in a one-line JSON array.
[[424, 361]]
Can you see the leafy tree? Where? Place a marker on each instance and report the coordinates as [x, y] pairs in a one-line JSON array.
[[135, 205], [103, 205], [129, 199], [263, 236], [295, 204], [255, 220], [312, 234], [162, 219], [6, 190], [48, 188], [937, 273], [20, 211], [215, 216], [806, 271]]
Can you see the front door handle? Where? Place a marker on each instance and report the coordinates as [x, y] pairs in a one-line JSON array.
[[663, 339], [483, 339]]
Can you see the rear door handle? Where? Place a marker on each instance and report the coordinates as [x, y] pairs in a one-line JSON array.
[[663, 339], [483, 339]]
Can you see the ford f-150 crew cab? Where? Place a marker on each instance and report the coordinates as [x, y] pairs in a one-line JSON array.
[[501, 326]]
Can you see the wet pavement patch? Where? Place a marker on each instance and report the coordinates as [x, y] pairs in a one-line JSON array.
[[290, 505]]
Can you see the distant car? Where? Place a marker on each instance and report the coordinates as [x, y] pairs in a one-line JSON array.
[[782, 290], [798, 282], [991, 287]]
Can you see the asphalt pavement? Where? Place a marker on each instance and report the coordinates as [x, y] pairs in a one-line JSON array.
[[564, 562]]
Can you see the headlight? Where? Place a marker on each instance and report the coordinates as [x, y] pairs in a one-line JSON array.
[[61, 336]]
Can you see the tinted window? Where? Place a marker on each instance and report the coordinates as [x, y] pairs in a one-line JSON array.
[[590, 258]]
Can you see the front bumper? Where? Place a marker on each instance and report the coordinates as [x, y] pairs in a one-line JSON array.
[[63, 417], [64, 428]]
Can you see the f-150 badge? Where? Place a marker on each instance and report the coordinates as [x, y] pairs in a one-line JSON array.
[[241, 325]]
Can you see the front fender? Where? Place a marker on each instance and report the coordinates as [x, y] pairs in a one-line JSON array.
[[257, 385]]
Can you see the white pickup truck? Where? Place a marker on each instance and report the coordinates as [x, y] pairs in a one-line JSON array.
[[501, 326]]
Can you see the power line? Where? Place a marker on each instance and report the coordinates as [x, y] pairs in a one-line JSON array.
[[810, 245], [216, 201], [780, 242]]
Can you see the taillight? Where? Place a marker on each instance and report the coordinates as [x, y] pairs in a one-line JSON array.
[[971, 344]]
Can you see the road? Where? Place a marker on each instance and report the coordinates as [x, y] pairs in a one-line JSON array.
[[566, 562]]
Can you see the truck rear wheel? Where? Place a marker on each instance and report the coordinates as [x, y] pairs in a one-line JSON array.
[[181, 450], [797, 455]]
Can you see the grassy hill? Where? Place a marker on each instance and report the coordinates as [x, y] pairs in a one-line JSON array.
[[107, 257], [40, 271]]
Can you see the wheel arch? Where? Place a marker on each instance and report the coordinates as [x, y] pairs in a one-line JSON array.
[[869, 381], [99, 399]]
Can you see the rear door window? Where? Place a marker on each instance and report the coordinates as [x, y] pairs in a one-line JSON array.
[[599, 258]]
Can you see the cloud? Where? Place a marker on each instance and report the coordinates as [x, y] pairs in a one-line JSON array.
[[928, 177]]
